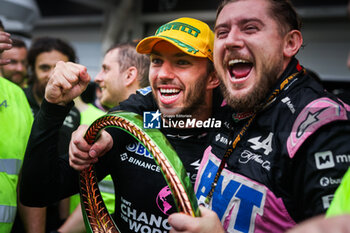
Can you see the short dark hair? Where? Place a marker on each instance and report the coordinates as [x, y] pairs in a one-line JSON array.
[[18, 43], [127, 57], [282, 10], [48, 44]]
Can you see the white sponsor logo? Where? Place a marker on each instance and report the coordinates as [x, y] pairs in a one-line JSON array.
[[140, 221], [222, 139], [265, 144], [289, 104], [68, 121], [124, 156], [247, 156], [326, 200], [324, 159], [191, 123], [325, 181]]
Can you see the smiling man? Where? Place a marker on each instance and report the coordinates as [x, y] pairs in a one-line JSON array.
[[16, 70], [123, 72], [290, 136], [183, 83]]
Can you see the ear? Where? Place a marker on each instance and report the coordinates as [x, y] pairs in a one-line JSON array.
[[130, 76], [213, 81], [293, 42]]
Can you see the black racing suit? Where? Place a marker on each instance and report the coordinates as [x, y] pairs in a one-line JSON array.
[[288, 163], [143, 199]]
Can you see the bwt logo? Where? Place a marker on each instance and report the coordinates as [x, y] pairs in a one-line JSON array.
[[151, 120]]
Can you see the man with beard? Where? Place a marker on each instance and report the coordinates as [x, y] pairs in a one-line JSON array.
[[289, 148], [43, 55], [182, 82], [16, 70]]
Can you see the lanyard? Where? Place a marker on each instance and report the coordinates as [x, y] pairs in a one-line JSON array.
[[229, 150]]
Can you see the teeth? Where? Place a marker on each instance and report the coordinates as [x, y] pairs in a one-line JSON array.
[[169, 91], [168, 97], [235, 61]]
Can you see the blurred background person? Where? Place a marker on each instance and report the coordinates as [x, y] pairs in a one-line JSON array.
[[43, 55], [15, 125], [16, 70], [123, 71]]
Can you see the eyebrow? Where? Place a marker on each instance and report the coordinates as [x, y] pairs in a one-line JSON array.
[[254, 19], [240, 22], [180, 54]]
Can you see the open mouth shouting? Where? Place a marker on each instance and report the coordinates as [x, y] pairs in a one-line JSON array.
[[169, 95], [239, 70]]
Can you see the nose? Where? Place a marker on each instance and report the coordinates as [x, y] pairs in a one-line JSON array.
[[166, 71], [234, 39], [20, 66], [99, 78]]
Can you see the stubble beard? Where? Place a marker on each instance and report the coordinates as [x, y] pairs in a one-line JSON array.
[[194, 102], [254, 100], [39, 89]]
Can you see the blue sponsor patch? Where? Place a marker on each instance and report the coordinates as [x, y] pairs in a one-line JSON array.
[[144, 91]]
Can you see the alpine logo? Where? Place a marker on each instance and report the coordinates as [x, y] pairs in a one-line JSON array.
[[4, 104], [260, 143]]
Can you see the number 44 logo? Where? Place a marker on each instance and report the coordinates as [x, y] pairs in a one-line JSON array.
[[265, 144]]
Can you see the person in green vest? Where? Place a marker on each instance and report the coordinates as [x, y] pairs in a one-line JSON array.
[[123, 71], [341, 201], [16, 120]]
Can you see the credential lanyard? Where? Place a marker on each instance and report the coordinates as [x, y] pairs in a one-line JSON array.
[[229, 150]]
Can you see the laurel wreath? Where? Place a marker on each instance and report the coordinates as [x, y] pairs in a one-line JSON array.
[[96, 216]]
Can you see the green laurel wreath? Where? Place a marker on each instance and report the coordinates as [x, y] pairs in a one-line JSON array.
[[95, 213]]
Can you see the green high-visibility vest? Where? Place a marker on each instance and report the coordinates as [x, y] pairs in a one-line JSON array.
[[341, 201], [16, 120]]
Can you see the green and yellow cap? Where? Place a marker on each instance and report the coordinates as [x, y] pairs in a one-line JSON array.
[[191, 36]]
